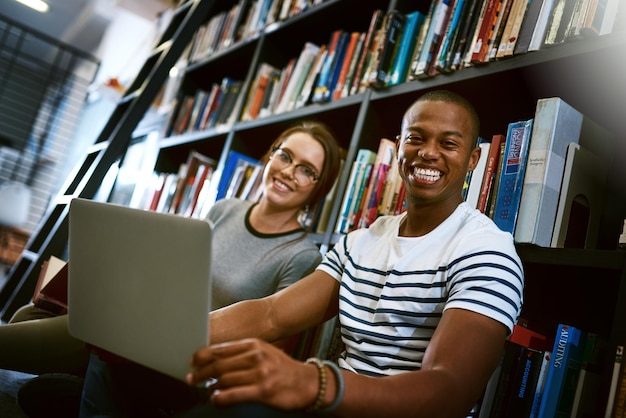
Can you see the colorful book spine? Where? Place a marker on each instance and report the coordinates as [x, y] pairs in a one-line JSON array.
[[541, 382], [556, 124], [563, 371], [232, 161], [493, 159], [387, 48], [385, 155], [399, 72], [512, 174], [364, 156]]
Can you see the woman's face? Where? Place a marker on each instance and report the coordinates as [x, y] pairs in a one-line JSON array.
[[290, 176]]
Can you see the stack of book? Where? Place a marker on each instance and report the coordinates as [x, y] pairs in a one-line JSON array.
[[547, 377], [396, 48], [373, 189], [534, 176], [185, 192]]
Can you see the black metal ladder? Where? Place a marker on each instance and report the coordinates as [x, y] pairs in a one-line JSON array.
[[51, 236]]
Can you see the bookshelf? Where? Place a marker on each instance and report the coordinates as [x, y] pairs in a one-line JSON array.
[[586, 73]]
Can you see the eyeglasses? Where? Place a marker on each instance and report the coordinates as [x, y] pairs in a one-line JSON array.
[[303, 175]]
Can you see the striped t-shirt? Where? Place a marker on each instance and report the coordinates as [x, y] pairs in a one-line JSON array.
[[395, 289]]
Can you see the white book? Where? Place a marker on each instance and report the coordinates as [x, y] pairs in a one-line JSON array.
[[298, 77], [476, 182], [556, 124], [541, 25]]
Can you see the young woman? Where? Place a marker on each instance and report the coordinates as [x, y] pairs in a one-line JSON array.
[[262, 247]]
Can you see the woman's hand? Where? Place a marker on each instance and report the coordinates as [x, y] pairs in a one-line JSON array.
[[252, 370]]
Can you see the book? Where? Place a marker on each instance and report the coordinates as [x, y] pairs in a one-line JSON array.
[[444, 55], [556, 124], [402, 62], [364, 157], [497, 35], [523, 356], [323, 89], [391, 190], [615, 380], [279, 90], [239, 178], [493, 196], [345, 65], [512, 175], [435, 28], [602, 18], [257, 91], [510, 36], [619, 406], [520, 387], [557, 25], [541, 25], [422, 35], [388, 44], [233, 160], [528, 25], [374, 192], [369, 44], [167, 195], [484, 32], [231, 106], [510, 389], [563, 371], [304, 97], [51, 288], [271, 93], [476, 181], [187, 177], [541, 381], [321, 222], [352, 69], [210, 107], [303, 66], [203, 176], [572, 32], [585, 402], [466, 31], [491, 167]]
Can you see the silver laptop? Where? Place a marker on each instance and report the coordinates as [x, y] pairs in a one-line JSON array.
[[139, 283]]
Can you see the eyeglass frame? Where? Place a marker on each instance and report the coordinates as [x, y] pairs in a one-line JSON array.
[[308, 171]]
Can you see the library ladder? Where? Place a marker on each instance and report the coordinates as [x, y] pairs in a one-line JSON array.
[[51, 234]]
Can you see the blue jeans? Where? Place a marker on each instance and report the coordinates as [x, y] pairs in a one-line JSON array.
[[121, 390]]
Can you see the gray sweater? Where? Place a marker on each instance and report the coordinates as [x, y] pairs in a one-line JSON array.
[[249, 264]]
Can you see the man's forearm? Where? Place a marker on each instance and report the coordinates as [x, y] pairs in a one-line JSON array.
[[245, 319]]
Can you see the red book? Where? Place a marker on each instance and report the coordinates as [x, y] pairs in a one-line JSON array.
[[493, 159], [354, 37], [490, 17], [528, 338]]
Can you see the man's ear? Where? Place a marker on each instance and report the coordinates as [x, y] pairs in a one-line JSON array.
[[474, 157]]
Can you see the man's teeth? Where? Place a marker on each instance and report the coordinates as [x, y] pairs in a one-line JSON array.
[[427, 174]]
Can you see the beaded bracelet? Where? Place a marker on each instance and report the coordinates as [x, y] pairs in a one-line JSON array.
[[340, 387], [322, 384]]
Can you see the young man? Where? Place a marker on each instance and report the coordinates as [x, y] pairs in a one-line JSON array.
[[425, 299]]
